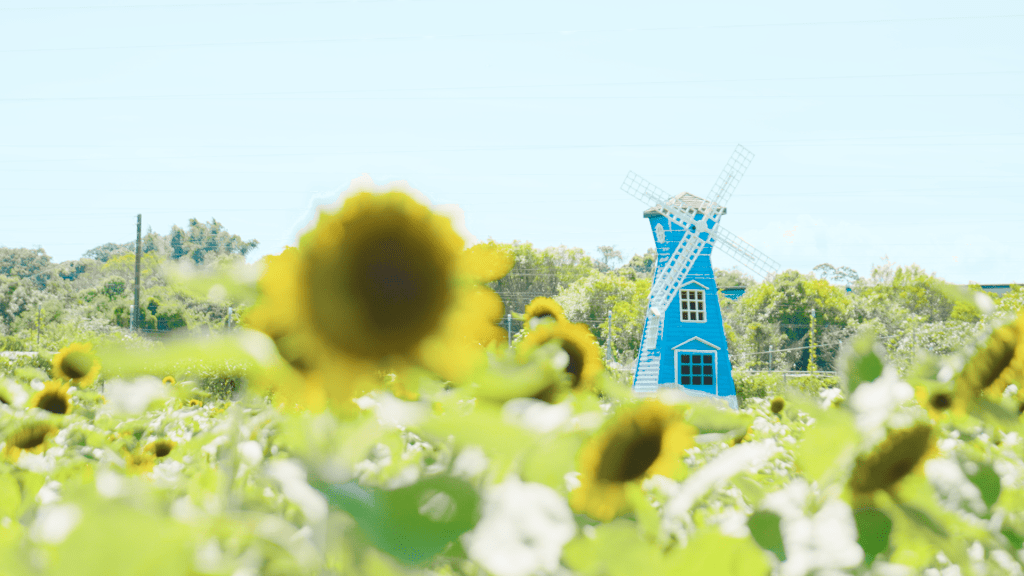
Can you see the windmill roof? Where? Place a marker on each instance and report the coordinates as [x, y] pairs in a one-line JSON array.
[[684, 200]]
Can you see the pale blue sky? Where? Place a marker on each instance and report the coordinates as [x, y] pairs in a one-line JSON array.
[[880, 129]]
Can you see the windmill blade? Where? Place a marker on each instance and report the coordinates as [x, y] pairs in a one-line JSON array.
[[651, 195], [676, 268], [643, 190], [744, 253], [727, 181]]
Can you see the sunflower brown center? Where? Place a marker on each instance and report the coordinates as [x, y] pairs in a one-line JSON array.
[[995, 357], [575, 365], [162, 449], [392, 275], [941, 401], [629, 455], [54, 402], [31, 439], [76, 364]]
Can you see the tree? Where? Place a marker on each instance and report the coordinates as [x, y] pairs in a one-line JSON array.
[[842, 275], [608, 255], [733, 277], [31, 263], [588, 300], [640, 265], [109, 250], [539, 272], [782, 307], [203, 239]]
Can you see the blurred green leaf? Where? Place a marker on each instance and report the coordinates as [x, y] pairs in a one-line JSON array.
[[647, 516], [751, 489], [1016, 540], [832, 437], [414, 523], [860, 362], [714, 553], [873, 529], [214, 354], [10, 495], [923, 519], [987, 481], [614, 549], [708, 418], [764, 527], [551, 459]]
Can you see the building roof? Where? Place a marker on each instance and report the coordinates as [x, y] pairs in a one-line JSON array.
[[684, 200]]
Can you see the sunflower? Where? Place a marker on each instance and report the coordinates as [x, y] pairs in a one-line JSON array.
[[576, 340], [778, 403], [540, 309], [937, 398], [902, 452], [382, 283], [644, 440], [139, 462], [160, 448], [54, 397], [169, 380], [997, 364], [30, 437], [194, 402], [77, 364]]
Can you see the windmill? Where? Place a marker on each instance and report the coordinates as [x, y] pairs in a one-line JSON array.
[[684, 319]]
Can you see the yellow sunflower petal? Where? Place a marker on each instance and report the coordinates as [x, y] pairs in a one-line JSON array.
[[29, 437], [540, 308], [585, 362], [641, 441], [77, 364], [54, 397]]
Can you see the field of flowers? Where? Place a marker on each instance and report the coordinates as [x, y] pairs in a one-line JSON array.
[[371, 419]]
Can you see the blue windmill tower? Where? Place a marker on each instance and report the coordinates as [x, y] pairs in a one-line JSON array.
[[684, 344]]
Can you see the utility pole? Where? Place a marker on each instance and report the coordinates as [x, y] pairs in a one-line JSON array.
[[608, 339], [138, 269], [812, 354], [509, 320], [771, 365], [39, 320]]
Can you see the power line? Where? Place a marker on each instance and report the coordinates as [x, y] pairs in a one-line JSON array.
[[490, 35], [646, 83]]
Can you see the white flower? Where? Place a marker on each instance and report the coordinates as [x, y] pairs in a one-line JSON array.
[[875, 402], [829, 396], [953, 487], [825, 541], [743, 457], [536, 415], [132, 398], [522, 531], [251, 452], [53, 523], [292, 478]]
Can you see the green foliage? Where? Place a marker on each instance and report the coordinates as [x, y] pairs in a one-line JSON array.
[[26, 263], [422, 519], [589, 300], [109, 250], [777, 313], [764, 527], [751, 385], [539, 273], [203, 240]]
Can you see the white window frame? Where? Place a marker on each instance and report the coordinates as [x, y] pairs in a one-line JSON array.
[[714, 368], [701, 295]]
